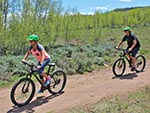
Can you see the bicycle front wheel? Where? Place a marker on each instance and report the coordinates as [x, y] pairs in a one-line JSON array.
[[119, 67], [58, 82], [140, 63], [22, 92]]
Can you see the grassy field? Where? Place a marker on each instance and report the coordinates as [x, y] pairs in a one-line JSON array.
[[142, 32], [94, 55], [136, 102]]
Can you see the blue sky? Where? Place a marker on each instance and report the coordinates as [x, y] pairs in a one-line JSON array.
[[90, 6]]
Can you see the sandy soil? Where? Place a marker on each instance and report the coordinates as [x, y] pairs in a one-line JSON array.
[[81, 90]]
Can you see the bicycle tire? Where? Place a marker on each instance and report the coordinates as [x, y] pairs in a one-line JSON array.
[[123, 63], [55, 80], [25, 81], [139, 63]]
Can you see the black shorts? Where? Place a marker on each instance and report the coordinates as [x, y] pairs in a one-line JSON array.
[[134, 51]]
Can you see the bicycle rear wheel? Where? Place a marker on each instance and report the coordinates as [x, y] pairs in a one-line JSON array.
[[119, 67], [140, 63], [22, 92], [58, 82]]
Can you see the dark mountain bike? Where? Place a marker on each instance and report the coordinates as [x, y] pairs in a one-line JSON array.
[[119, 65], [23, 91]]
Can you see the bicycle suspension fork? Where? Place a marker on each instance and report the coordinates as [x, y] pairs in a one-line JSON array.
[[26, 83]]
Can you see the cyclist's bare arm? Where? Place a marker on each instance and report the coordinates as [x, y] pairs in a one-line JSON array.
[[42, 53], [120, 43], [133, 45], [26, 55]]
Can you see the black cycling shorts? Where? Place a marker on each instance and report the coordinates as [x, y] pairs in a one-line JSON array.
[[133, 52]]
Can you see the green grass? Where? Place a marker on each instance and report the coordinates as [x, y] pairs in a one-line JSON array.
[[136, 102], [94, 54], [117, 33], [9, 81]]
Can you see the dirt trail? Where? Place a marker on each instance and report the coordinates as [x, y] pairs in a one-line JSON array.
[[81, 90]]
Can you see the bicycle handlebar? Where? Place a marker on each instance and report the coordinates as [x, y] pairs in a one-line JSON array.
[[120, 49], [26, 63], [124, 51]]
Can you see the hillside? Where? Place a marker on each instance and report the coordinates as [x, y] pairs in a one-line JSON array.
[[130, 8], [55, 29]]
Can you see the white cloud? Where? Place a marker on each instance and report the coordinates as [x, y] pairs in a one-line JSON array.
[[88, 13], [101, 8], [93, 9], [125, 0], [83, 13]]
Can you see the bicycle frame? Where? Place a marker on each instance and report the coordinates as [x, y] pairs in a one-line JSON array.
[[27, 85], [32, 72], [37, 78], [121, 60], [125, 55]]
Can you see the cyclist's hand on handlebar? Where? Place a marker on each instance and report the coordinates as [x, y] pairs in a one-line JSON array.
[[26, 63], [23, 61], [117, 47], [130, 49], [38, 67]]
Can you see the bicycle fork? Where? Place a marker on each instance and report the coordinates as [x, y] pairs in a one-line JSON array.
[[26, 84]]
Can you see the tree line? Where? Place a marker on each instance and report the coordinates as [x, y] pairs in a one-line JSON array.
[[46, 18]]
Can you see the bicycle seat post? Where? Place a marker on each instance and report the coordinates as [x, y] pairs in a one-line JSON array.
[[50, 69]]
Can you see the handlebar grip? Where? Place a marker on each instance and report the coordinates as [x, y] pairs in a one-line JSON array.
[[24, 62], [30, 65]]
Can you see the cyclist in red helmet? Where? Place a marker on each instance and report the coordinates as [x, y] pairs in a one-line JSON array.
[[133, 45], [38, 51]]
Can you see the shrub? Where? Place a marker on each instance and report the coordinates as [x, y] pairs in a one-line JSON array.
[[79, 59], [72, 59]]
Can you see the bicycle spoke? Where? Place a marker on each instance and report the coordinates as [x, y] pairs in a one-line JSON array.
[[58, 82], [22, 92], [140, 63], [119, 67]]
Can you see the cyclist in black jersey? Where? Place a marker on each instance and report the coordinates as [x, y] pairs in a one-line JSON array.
[[133, 45]]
